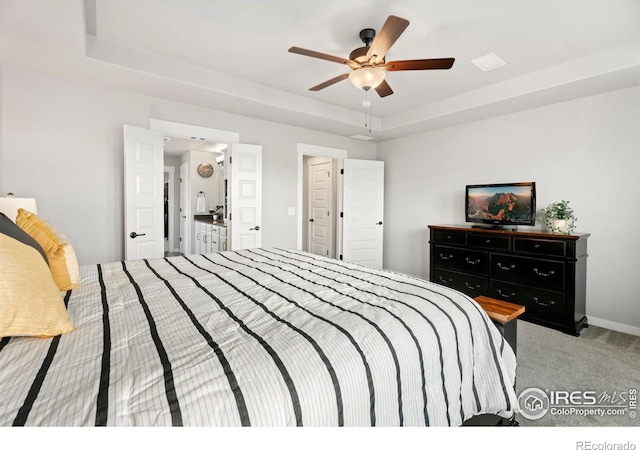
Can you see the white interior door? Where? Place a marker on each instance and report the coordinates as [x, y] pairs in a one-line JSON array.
[[363, 211], [144, 193], [245, 195], [320, 208], [184, 209]]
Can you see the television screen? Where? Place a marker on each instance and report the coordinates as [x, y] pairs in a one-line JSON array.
[[501, 204]]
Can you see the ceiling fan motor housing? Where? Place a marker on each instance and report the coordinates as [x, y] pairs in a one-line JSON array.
[[359, 55], [367, 36]]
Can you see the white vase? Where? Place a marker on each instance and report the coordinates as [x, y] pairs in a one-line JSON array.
[[560, 226]]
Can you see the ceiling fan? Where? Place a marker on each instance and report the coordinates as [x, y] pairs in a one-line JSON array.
[[368, 63]]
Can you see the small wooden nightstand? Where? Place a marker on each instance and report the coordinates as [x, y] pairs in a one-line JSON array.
[[504, 316]]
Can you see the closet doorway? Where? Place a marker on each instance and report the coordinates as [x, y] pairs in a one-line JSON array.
[[358, 206], [328, 232]]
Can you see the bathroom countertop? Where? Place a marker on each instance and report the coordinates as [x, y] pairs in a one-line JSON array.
[[208, 218]]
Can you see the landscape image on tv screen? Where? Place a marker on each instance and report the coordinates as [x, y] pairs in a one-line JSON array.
[[500, 204]]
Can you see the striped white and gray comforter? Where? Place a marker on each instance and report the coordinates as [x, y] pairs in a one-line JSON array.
[[263, 337]]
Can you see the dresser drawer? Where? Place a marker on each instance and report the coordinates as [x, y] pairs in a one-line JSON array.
[[467, 284], [535, 301], [540, 273], [460, 259], [449, 237], [540, 247], [488, 241]]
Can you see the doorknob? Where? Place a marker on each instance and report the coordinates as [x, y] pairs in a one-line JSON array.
[[379, 223], [255, 228], [134, 235]]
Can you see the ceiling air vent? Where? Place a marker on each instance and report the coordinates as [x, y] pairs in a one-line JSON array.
[[488, 62], [361, 137]]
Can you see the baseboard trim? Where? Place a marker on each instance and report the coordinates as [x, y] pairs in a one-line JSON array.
[[615, 326]]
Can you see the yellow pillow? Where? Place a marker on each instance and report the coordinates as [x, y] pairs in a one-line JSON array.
[[30, 302], [62, 259]]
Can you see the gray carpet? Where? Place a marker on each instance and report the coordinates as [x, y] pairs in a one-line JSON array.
[[599, 360]]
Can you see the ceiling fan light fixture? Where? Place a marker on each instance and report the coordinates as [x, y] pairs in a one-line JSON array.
[[367, 77]]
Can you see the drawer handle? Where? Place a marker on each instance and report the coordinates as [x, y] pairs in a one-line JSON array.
[[473, 288], [443, 281], [473, 263], [536, 246], [543, 274], [513, 294], [488, 241], [551, 302], [512, 266], [445, 257]]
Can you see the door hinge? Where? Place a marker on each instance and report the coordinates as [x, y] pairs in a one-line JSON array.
[[327, 252], [229, 216], [230, 158], [327, 213], [340, 257], [328, 174], [341, 171], [341, 214]]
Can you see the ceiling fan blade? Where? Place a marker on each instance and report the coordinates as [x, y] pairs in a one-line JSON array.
[[384, 89], [391, 30], [329, 82], [314, 54], [419, 64]]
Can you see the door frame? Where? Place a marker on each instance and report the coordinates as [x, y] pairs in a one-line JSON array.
[[327, 152], [188, 131]]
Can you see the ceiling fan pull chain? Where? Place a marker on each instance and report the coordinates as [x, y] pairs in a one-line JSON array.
[[366, 105]]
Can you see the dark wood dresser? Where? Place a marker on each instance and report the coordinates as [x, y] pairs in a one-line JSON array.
[[544, 272]]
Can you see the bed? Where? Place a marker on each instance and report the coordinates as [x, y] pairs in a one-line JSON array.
[[260, 337]]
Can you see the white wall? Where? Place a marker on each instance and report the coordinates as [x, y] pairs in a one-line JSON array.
[[586, 151], [62, 144], [2, 193]]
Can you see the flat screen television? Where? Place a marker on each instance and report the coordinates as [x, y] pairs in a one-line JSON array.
[[501, 204]]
